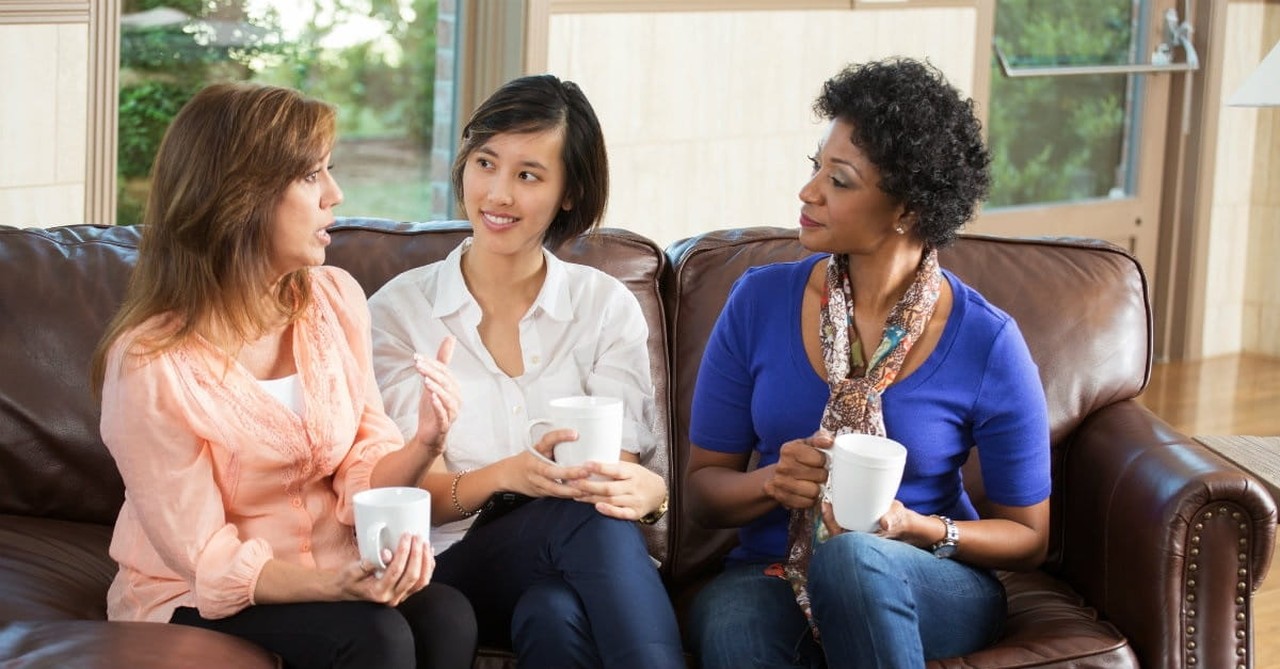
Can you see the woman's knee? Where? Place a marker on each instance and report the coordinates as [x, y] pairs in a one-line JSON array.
[[549, 627], [853, 554], [440, 614], [444, 626], [591, 530], [549, 607], [746, 617], [381, 637]]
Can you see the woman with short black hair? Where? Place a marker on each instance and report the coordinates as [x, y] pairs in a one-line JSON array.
[[869, 335]]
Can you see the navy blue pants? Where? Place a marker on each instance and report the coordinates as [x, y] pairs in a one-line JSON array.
[[565, 587]]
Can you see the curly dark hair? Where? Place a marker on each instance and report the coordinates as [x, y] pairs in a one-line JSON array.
[[922, 135]]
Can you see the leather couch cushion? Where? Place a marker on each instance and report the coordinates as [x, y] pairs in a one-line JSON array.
[[1048, 625], [54, 569], [62, 287], [100, 645]]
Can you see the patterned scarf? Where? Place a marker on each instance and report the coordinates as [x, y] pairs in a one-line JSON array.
[[856, 386]]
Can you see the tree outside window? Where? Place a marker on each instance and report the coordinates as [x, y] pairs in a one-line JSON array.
[[373, 59], [1064, 139]]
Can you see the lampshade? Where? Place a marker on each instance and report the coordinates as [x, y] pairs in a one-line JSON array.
[[1262, 88]]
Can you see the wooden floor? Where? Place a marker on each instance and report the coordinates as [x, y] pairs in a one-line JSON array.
[[1228, 395]]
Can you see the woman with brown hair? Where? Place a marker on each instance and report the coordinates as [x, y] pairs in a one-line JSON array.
[[239, 403]]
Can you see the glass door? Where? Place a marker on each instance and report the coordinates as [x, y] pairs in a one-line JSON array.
[[1078, 145]]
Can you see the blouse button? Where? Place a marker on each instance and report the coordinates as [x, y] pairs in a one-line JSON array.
[[536, 359], [296, 502]]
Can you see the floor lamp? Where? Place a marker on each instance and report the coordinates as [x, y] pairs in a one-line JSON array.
[[1262, 88]]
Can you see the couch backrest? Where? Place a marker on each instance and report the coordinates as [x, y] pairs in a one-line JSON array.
[[62, 286], [1081, 305]]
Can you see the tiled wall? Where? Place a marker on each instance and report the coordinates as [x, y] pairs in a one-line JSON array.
[[708, 114], [44, 79], [1242, 291]]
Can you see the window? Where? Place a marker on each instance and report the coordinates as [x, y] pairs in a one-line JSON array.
[[374, 60], [1066, 138]]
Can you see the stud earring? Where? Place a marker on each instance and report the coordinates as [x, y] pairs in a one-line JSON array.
[[900, 230]]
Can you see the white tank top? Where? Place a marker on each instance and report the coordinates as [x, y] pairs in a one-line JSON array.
[[287, 389]]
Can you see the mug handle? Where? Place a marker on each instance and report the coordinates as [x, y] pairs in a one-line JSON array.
[[530, 446], [375, 539], [826, 487]]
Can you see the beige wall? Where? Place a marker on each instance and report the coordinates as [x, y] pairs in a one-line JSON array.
[[708, 114], [1262, 280], [1242, 291], [44, 77]]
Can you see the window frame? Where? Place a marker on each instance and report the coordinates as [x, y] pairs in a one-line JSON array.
[[1177, 206], [101, 19]]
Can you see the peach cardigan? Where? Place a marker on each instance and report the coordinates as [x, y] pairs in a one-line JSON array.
[[220, 477]]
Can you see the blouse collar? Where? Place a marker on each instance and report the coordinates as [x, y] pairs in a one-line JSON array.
[[554, 299]]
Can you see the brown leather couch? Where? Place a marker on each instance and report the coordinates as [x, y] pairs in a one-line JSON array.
[[1157, 543]]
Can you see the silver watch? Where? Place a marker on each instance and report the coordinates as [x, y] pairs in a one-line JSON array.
[[947, 547]]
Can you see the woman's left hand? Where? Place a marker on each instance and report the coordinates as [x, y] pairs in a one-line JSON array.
[[441, 399], [629, 492], [898, 523], [408, 570]]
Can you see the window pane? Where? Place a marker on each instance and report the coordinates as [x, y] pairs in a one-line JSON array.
[[1065, 138], [373, 59]]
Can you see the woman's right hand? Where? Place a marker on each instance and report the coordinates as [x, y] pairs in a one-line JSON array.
[[797, 478], [536, 478], [408, 571], [440, 401]]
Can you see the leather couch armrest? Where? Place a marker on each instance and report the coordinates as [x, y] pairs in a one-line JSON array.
[[1167, 539]]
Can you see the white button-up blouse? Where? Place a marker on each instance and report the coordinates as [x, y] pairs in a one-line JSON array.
[[584, 335]]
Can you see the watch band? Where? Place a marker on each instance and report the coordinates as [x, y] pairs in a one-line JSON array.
[[947, 547], [657, 514]]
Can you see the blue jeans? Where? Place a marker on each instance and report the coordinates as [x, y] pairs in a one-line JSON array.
[[566, 587], [877, 603]]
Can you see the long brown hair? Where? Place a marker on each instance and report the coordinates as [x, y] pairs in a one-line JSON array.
[[203, 261]]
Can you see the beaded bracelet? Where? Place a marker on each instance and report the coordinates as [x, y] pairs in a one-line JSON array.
[[453, 495]]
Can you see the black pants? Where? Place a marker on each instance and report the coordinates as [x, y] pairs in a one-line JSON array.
[[434, 628]]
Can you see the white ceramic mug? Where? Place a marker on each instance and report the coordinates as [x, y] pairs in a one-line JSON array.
[[598, 422], [383, 515], [864, 472]]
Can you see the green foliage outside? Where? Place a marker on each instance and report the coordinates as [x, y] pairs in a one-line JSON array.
[[1056, 139], [145, 111], [383, 87]]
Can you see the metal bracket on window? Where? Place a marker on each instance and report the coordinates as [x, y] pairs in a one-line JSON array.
[[1177, 34]]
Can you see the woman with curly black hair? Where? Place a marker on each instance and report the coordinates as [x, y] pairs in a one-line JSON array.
[[886, 343]]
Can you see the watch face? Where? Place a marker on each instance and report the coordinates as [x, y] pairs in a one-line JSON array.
[[945, 550]]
